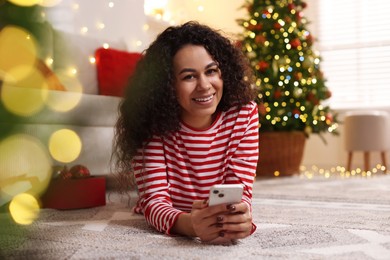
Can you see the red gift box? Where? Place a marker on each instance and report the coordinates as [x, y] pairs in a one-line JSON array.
[[75, 193]]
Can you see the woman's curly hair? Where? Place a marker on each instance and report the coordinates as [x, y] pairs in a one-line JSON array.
[[150, 105]]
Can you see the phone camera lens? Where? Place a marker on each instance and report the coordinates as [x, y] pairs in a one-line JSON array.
[[221, 195], [216, 191]]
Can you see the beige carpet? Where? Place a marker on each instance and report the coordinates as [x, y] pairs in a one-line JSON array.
[[297, 218]]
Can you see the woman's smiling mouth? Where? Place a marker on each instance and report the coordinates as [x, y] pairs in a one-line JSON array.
[[204, 99]]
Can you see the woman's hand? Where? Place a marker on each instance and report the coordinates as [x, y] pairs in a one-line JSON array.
[[228, 221]]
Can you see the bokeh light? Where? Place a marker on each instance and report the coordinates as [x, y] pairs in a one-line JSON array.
[[25, 166], [17, 48], [65, 145], [27, 96], [25, 2], [49, 3], [63, 101], [24, 208]]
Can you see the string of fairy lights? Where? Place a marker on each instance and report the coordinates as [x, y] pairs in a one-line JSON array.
[[340, 172]]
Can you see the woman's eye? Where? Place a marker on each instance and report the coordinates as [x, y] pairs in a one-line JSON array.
[[211, 71], [188, 77]]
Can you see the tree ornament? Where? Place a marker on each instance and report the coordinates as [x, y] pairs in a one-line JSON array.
[[296, 111], [309, 39], [260, 39], [298, 76], [79, 171], [263, 66], [277, 26], [329, 118], [277, 94], [295, 43], [65, 173]]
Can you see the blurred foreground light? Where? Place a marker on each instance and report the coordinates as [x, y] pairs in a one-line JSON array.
[[17, 48], [25, 2], [25, 166], [24, 208], [27, 96], [63, 101], [65, 145], [49, 3]]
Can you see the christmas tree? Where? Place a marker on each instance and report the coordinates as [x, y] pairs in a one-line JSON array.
[[289, 80]]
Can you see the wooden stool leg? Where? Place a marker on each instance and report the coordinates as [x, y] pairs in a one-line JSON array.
[[366, 161], [383, 155], [349, 162]]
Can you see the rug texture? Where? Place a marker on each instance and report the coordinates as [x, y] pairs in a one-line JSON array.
[[297, 218]]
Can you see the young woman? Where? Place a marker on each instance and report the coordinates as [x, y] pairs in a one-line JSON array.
[[188, 121]]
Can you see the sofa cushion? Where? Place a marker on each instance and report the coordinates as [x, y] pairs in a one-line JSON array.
[[72, 54], [114, 68]]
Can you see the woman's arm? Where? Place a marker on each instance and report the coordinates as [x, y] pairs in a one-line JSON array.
[[151, 179]]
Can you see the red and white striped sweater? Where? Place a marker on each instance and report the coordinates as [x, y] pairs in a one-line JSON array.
[[171, 172]]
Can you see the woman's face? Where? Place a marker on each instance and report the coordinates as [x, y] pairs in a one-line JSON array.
[[198, 85]]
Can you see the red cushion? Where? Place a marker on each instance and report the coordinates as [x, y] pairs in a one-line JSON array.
[[114, 67]]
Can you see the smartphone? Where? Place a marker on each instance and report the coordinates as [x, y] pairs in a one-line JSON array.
[[225, 194]]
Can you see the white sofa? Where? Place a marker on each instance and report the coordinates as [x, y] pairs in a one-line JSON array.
[[93, 117]]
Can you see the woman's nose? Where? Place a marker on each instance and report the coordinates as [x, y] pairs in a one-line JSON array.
[[203, 83]]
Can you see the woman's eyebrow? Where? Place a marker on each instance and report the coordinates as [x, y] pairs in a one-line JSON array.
[[211, 65], [193, 70]]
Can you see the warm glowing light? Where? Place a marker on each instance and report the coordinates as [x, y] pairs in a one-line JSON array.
[[24, 209], [25, 2], [111, 4], [155, 7], [106, 45], [49, 3], [200, 8], [49, 61], [92, 60], [68, 78], [73, 71], [65, 145], [63, 101], [83, 30], [100, 26], [146, 27], [25, 97], [17, 48], [25, 166]]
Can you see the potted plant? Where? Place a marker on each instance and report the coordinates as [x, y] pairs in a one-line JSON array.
[[290, 83]]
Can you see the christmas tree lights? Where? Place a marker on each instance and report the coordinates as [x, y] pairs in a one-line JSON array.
[[290, 83]]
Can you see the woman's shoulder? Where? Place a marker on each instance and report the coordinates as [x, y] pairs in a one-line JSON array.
[[245, 109]]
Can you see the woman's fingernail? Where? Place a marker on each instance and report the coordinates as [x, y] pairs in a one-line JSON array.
[[231, 207], [219, 218]]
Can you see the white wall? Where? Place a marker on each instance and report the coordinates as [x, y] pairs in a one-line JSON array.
[[126, 20]]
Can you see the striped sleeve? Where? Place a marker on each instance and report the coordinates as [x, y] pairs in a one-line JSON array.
[[243, 163], [151, 179]]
